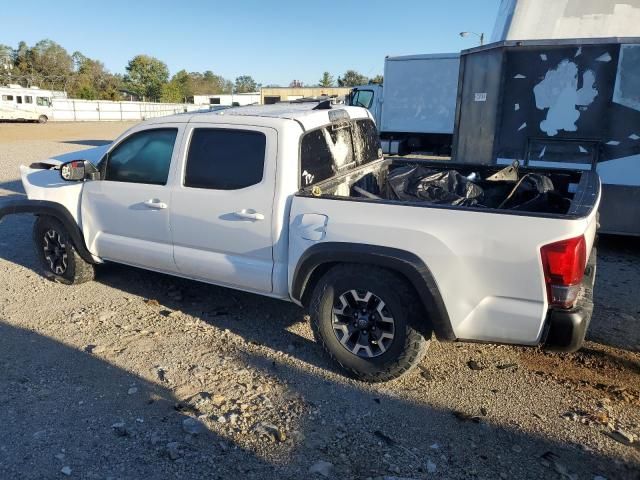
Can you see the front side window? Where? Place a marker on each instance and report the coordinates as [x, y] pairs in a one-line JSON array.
[[224, 159], [336, 149], [28, 99], [43, 101], [362, 98], [143, 157]]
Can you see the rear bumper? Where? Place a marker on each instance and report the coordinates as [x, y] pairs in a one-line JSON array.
[[566, 329]]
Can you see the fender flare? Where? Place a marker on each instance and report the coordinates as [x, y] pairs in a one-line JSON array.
[[51, 209], [311, 263]]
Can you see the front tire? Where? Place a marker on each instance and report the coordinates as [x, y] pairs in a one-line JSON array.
[[364, 318], [43, 119], [58, 257]]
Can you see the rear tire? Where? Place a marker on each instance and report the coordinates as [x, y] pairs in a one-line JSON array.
[[364, 316], [58, 257]]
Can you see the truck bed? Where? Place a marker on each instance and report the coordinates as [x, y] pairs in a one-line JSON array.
[[485, 260], [574, 193]]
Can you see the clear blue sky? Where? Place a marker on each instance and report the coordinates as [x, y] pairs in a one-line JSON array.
[[275, 41]]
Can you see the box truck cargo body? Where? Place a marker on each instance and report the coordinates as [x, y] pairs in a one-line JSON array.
[[563, 104], [415, 108]]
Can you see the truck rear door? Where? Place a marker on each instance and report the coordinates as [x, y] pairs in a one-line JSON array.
[[221, 212]]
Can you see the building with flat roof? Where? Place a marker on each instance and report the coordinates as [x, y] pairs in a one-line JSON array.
[[270, 95], [232, 100]]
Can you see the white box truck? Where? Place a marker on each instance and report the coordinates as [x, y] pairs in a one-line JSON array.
[[415, 108]]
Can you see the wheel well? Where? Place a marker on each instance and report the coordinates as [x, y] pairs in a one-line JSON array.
[[425, 327], [55, 210], [313, 280], [320, 258]]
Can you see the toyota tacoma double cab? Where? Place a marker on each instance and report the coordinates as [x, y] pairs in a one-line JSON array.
[[297, 202]]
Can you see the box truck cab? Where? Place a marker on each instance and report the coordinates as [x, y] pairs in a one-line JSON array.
[[369, 97]]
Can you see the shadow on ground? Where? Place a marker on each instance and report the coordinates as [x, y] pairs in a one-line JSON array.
[[60, 405]]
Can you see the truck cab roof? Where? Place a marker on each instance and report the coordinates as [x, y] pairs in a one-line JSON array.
[[303, 114]]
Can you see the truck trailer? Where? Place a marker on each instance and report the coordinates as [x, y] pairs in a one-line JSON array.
[[570, 104]]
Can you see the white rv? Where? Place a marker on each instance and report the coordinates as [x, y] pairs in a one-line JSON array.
[[26, 104]]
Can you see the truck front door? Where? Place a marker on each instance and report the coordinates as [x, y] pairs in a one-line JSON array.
[[221, 212], [125, 216]]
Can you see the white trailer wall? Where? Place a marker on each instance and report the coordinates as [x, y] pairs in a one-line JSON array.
[[68, 110], [550, 19]]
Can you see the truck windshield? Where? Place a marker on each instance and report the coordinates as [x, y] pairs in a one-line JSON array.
[[336, 149]]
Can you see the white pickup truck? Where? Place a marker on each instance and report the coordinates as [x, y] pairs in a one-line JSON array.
[[295, 201]]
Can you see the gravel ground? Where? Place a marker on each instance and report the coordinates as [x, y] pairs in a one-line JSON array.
[[141, 375]]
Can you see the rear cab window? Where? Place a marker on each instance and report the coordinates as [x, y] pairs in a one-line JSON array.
[[337, 149]]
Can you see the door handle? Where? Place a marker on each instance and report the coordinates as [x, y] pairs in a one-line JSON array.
[[155, 204], [249, 214]]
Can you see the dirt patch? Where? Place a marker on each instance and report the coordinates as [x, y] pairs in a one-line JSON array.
[[612, 372]]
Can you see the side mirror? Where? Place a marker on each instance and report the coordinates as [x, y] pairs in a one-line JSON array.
[[79, 170]]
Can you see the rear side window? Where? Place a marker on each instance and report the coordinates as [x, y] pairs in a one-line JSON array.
[[222, 159], [7, 98], [336, 149], [143, 157]]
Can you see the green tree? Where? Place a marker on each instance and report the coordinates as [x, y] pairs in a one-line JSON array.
[[20, 57], [6, 64], [172, 93], [146, 76], [46, 64], [245, 84], [326, 80], [351, 78], [377, 79], [91, 81]]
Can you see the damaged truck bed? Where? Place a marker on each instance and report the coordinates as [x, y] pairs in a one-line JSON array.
[[437, 184]]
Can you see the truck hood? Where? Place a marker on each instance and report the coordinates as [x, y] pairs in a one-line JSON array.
[[93, 155]]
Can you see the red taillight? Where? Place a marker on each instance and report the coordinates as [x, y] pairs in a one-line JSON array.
[[563, 264]]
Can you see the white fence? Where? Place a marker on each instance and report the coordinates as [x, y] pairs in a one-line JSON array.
[[69, 110]]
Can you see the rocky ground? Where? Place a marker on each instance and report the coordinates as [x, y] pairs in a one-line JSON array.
[[141, 375]]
